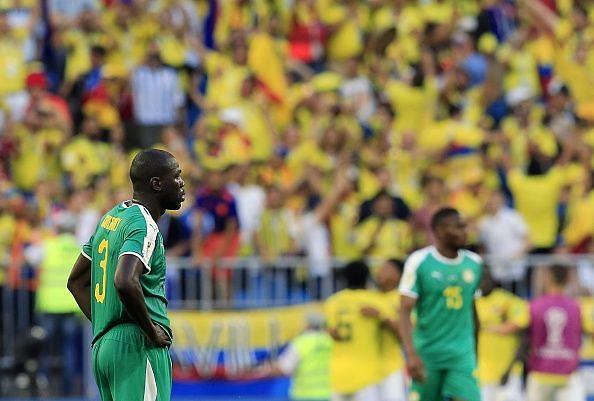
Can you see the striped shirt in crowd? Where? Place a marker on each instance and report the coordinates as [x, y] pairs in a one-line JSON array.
[[156, 95]]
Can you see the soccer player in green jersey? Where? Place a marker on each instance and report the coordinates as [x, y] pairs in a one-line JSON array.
[[440, 282], [118, 282]]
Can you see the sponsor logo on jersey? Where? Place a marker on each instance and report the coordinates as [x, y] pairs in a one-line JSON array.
[[437, 275], [468, 276]]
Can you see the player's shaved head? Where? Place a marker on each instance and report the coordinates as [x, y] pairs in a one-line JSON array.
[[442, 216], [148, 164]]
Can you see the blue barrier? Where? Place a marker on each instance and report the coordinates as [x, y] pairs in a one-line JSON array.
[[195, 398], [260, 389]]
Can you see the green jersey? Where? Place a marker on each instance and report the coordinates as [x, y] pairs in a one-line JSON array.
[[128, 228], [444, 289]]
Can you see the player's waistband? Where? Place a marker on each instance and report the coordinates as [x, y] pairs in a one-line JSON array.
[[116, 329]]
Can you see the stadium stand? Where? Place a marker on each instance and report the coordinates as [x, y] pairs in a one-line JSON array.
[[309, 133]]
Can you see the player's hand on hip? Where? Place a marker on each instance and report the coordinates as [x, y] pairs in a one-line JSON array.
[[416, 368], [160, 338]]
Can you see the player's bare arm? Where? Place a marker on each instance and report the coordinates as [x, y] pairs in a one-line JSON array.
[[79, 284], [414, 363], [391, 325], [127, 285]]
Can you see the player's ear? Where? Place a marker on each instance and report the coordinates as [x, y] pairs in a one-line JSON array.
[[156, 183]]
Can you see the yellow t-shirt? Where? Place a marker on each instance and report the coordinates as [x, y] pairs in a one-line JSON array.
[[392, 241], [83, 159], [519, 138], [347, 41], [356, 360], [579, 225], [78, 59], [439, 13], [414, 107], [587, 307], [496, 352], [173, 49], [36, 158], [391, 351], [536, 198], [225, 80], [341, 229], [256, 128], [522, 70], [12, 66]]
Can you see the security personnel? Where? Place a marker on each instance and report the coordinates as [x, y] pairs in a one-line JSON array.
[[307, 360], [57, 310]]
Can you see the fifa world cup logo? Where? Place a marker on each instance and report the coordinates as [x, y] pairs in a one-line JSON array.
[[555, 320]]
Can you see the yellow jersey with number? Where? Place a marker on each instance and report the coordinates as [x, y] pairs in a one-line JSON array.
[[355, 362], [495, 351], [392, 359]]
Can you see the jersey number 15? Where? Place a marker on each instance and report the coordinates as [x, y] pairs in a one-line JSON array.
[[453, 296]]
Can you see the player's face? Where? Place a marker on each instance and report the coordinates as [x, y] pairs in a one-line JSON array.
[[454, 232], [173, 193], [387, 277]]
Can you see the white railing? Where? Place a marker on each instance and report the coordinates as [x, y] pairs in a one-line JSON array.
[[246, 283]]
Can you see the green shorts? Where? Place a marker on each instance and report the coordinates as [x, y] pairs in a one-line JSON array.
[[440, 384], [128, 367]]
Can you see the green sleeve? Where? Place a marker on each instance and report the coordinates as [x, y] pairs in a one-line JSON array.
[[87, 249], [410, 285], [140, 239]]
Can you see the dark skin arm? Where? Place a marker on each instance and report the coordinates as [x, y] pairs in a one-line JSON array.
[[79, 284], [127, 285], [521, 355], [414, 363], [391, 325]]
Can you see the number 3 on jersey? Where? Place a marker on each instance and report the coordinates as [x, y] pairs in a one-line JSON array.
[[100, 290], [453, 296]]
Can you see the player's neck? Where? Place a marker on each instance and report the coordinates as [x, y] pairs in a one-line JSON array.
[[149, 204], [450, 253]]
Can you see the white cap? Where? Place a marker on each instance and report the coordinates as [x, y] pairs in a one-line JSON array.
[[556, 86], [518, 95], [232, 116]]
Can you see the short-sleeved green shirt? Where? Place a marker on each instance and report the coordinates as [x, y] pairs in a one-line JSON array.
[[128, 228], [444, 289]]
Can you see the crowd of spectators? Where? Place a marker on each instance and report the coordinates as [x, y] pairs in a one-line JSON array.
[[317, 128]]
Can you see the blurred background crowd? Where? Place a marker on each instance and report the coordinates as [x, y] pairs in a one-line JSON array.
[[322, 129], [314, 128]]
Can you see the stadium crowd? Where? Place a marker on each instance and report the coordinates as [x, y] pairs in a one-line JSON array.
[[324, 129], [316, 128]]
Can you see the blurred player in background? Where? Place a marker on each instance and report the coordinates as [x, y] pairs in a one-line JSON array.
[[440, 282], [555, 337], [392, 387], [497, 308], [307, 361], [355, 367], [118, 282]]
